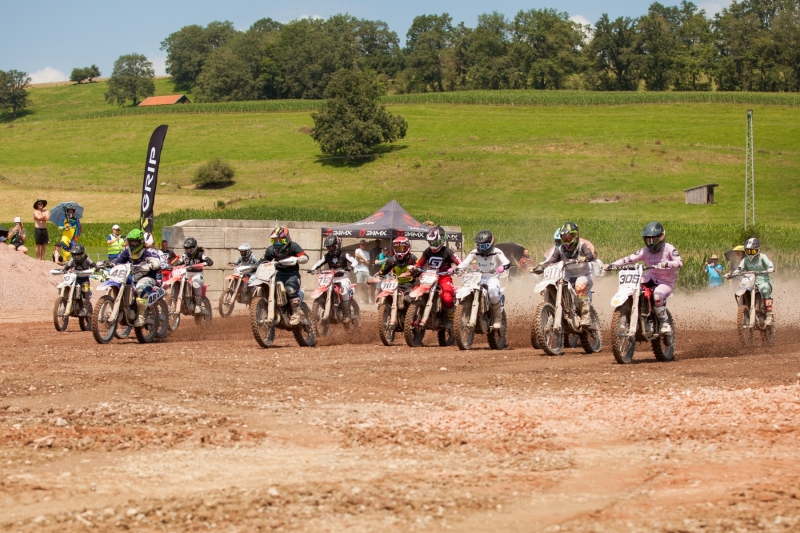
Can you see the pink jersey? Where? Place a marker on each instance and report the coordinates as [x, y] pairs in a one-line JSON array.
[[666, 276]]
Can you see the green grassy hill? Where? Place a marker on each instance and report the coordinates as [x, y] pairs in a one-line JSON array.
[[588, 156]]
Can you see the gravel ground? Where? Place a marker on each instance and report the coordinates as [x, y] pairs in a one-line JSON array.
[[208, 431]]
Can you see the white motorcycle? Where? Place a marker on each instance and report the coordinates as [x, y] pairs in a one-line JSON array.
[[70, 300], [751, 316], [558, 317], [474, 313], [634, 318], [271, 309]]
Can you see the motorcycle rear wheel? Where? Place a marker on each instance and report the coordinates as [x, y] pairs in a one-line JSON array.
[[305, 333], [385, 332], [414, 335], [745, 331], [550, 338], [317, 310], [227, 300], [264, 335], [174, 315], [86, 321], [498, 338], [102, 328], [664, 347], [622, 346], [592, 340], [60, 316], [465, 334], [147, 333], [203, 319]]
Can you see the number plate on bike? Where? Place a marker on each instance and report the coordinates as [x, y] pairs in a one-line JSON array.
[[265, 272], [389, 285], [629, 279], [119, 273], [178, 272], [471, 280], [70, 277], [325, 279], [428, 278], [553, 272]]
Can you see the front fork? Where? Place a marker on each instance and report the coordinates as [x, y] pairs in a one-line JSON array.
[[476, 305], [634, 318], [429, 305], [71, 290], [328, 300], [393, 316], [559, 314]]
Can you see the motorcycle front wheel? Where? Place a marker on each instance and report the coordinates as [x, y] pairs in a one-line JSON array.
[[174, 315], [622, 346], [305, 333], [60, 316], [317, 310], [743, 325], [549, 336], [664, 346], [413, 332], [103, 327], [259, 310], [385, 330], [162, 313], [227, 300], [465, 334]]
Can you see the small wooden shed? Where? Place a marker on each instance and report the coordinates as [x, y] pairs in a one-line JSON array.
[[702, 194]]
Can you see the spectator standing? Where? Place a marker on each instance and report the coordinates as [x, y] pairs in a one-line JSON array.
[[115, 242], [171, 256], [714, 271], [362, 270], [40, 218], [17, 237]]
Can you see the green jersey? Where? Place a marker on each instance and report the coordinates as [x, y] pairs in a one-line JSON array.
[[761, 262]]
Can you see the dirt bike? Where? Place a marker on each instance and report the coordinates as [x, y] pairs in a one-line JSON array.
[[270, 309], [751, 317], [633, 299], [392, 304], [559, 316], [180, 297], [70, 301], [327, 298], [116, 308], [426, 311], [474, 313], [236, 289]]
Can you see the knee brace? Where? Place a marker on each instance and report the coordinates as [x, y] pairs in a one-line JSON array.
[[768, 304], [197, 281]]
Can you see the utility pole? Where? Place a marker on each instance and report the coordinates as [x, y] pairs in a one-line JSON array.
[[749, 176]]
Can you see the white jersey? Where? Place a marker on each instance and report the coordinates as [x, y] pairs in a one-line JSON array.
[[487, 263]]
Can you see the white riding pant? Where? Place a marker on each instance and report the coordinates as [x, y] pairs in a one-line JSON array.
[[344, 283], [492, 283]]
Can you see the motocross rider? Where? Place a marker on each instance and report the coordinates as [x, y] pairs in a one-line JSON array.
[[439, 257], [578, 275], [145, 264], [755, 261], [288, 256], [400, 262], [491, 260], [81, 261], [665, 257], [246, 256], [338, 260], [192, 257]]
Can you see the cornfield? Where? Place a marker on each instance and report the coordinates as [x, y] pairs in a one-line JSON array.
[[613, 239], [488, 98]]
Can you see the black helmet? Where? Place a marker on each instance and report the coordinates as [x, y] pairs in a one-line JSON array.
[[653, 235], [752, 247], [78, 251], [436, 238], [570, 236], [484, 241], [190, 245], [333, 243]]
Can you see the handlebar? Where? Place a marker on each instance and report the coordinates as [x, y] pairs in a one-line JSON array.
[[743, 272], [633, 267]]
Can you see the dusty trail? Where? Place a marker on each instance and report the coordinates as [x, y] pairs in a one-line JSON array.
[[207, 430]]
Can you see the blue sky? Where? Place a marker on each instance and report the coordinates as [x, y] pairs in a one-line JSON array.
[[48, 38]]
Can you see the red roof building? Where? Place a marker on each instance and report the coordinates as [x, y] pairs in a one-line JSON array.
[[165, 100]]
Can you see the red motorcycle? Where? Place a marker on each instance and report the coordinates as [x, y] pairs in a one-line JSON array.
[[180, 297], [236, 289], [327, 298], [427, 311]]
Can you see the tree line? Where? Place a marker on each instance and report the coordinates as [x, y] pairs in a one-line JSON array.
[[753, 45]]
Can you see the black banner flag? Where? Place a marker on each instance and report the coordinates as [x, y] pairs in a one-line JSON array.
[[151, 177]]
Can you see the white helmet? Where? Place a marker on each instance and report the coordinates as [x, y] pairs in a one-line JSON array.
[[244, 251]]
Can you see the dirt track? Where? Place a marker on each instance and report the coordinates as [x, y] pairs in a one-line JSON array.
[[210, 431]]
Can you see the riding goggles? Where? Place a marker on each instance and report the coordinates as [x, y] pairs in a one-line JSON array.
[[568, 237], [189, 251], [401, 248], [652, 240], [280, 242], [751, 251], [484, 246]]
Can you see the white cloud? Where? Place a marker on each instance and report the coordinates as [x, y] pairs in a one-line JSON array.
[[712, 8], [159, 65], [48, 75], [580, 19], [312, 17]]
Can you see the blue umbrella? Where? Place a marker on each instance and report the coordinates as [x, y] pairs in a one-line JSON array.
[[59, 212]]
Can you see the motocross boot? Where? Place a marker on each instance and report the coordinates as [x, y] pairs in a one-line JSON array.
[[768, 319], [451, 314], [141, 305], [586, 316], [497, 315], [295, 318], [661, 313], [346, 312], [198, 300]]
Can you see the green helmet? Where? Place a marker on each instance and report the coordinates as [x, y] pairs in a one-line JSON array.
[[570, 236], [135, 240]]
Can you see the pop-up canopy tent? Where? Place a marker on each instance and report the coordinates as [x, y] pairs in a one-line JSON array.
[[388, 222]]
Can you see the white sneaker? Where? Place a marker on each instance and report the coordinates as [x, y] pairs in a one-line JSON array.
[[768, 320]]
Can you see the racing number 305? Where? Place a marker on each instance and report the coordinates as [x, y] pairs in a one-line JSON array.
[[629, 278]]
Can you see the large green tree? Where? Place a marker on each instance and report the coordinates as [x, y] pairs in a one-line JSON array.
[[352, 121], [613, 55], [131, 79], [14, 91], [190, 47], [428, 41]]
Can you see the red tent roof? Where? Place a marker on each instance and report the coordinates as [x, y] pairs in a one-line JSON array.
[[165, 100]]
